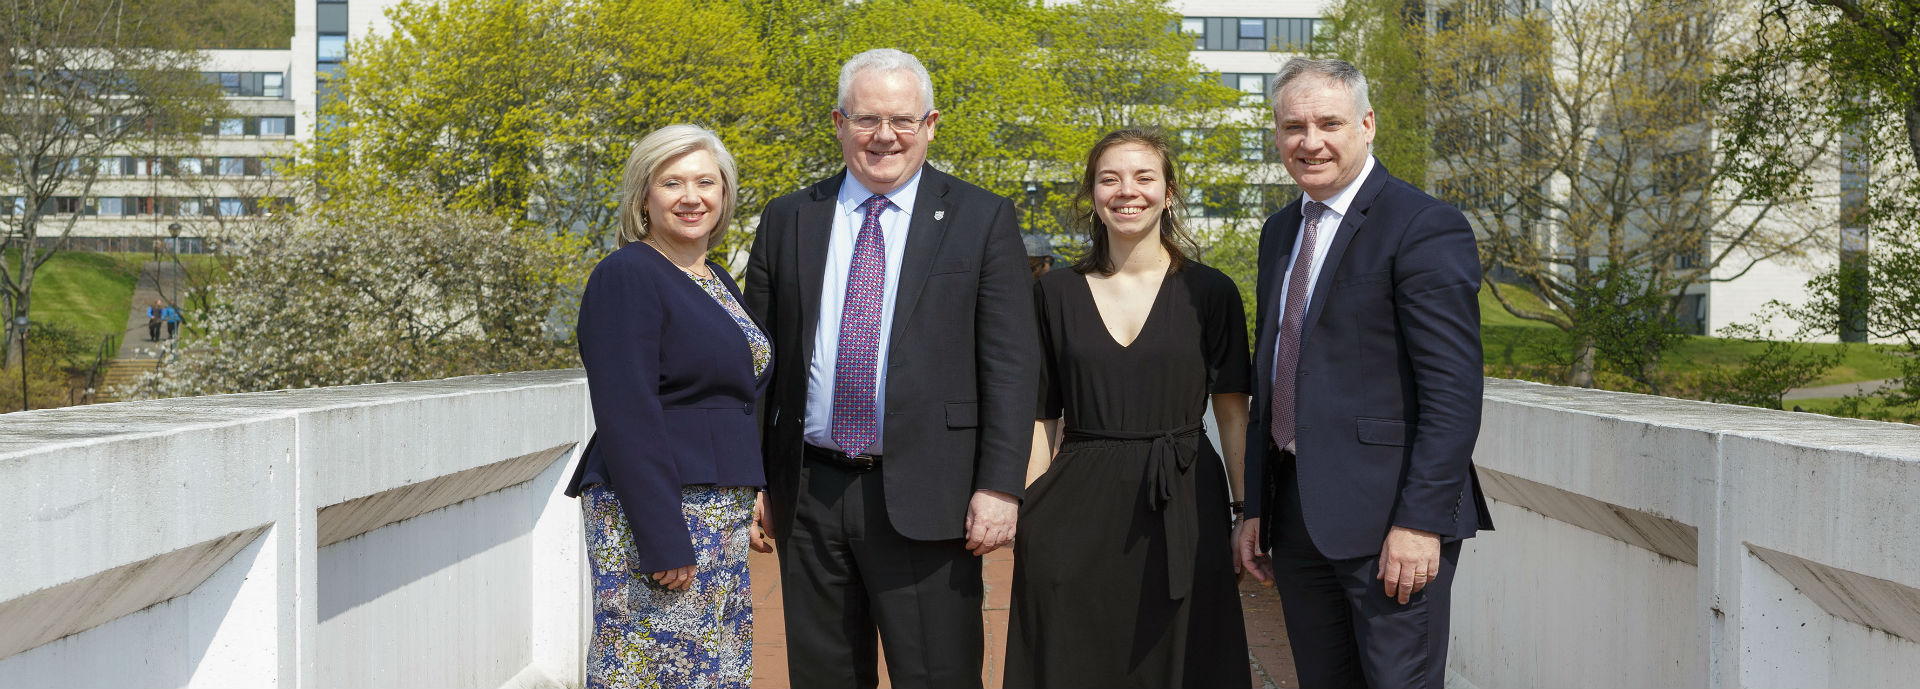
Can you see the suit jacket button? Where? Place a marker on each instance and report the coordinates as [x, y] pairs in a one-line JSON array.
[[746, 409]]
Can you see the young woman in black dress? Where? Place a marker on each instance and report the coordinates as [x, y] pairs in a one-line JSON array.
[[1123, 573]]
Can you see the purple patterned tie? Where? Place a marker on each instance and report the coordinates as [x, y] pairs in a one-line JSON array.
[[1286, 362], [857, 359]]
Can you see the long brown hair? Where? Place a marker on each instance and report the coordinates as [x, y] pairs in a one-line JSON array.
[[1173, 236]]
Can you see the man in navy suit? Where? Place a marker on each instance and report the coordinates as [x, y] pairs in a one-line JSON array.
[[1367, 398], [900, 414]]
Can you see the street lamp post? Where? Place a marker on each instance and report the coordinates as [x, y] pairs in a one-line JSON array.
[[173, 229], [1031, 203]]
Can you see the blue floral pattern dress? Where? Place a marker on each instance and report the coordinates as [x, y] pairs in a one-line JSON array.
[[645, 636]]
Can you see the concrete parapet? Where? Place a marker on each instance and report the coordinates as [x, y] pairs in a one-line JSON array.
[[1647, 541], [403, 534]]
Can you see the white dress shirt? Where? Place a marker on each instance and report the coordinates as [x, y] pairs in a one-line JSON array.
[[833, 298], [1337, 206]]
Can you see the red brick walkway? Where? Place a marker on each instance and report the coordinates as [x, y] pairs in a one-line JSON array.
[[1272, 662]]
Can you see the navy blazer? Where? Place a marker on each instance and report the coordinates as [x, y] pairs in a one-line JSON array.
[[673, 392], [1390, 376]]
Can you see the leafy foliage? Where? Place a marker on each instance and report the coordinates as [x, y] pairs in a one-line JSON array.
[[81, 79], [1766, 376], [380, 285], [1576, 138]]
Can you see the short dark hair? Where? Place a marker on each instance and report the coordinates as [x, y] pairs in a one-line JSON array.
[[1173, 236]]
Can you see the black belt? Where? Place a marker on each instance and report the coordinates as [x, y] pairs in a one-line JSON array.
[[859, 464], [1169, 482]]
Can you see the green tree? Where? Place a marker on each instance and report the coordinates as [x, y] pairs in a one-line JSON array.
[[494, 104], [1852, 68], [1386, 39], [1578, 139], [80, 81]]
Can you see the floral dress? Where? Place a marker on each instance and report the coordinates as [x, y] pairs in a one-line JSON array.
[[645, 636]]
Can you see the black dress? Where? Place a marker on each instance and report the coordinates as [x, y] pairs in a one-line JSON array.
[[1123, 574]]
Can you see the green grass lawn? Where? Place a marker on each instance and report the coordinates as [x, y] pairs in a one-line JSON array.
[[1512, 341], [89, 292], [1492, 313]]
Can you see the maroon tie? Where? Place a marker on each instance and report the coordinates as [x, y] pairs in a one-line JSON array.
[[858, 355], [1286, 361]]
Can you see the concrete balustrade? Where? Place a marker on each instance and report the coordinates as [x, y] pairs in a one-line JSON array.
[[398, 535], [1653, 542], [413, 534]]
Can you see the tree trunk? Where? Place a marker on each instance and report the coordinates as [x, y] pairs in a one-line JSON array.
[[1913, 129], [1581, 376]]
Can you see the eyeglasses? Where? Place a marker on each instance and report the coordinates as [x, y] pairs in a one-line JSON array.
[[900, 123]]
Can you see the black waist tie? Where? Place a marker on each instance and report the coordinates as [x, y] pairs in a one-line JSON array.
[[1170, 491]]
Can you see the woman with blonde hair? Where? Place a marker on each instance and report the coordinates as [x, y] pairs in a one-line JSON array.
[[669, 482]]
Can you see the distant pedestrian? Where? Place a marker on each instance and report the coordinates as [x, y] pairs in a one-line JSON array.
[[172, 316], [154, 319], [1039, 253]]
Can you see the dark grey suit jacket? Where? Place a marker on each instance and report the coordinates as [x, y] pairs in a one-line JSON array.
[[1390, 376], [963, 354]]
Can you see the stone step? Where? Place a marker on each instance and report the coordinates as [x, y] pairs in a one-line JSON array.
[[122, 372]]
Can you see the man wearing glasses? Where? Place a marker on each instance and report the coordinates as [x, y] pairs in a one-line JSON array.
[[900, 413]]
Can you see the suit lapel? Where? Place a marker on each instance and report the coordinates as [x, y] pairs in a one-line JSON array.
[[924, 234], [814, 232], [1350, 225]]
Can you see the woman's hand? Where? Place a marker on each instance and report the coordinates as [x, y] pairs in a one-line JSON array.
[[675, 579], [759, 537]]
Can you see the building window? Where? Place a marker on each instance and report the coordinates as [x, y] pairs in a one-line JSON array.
[[230, 207], [273, 85], [1279, 34], [13, 205], [1253, 145], [332, 47], [233, 126], [1253, 34], [1253, 87], [233, 167], [1294, 34], [112, 205], [273, 126]]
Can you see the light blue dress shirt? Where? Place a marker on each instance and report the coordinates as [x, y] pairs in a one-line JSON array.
[[833, 297]]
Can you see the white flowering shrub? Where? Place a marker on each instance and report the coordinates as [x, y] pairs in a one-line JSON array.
[[381, 287]]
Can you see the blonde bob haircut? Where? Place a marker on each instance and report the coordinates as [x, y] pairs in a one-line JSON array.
[[655, 151]]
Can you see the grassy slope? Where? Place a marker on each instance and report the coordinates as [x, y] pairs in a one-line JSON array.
[[90, 292], [1511, 340]]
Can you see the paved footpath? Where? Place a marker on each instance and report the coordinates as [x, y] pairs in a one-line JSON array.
[[156, 278], [1272, 663]]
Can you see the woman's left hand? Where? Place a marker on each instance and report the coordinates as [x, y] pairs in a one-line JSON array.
[[760, 538], [675, 579]]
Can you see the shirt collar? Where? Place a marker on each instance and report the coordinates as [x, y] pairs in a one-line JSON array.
[[853, 193], [1340, 200]]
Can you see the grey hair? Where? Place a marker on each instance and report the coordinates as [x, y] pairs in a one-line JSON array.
[[655, 151], [885, 60], [1339, 71]]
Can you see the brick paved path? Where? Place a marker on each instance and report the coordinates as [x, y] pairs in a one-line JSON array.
[[1266, 637]]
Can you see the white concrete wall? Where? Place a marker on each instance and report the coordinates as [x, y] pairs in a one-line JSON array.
[[1749, 548], [179, 542]]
